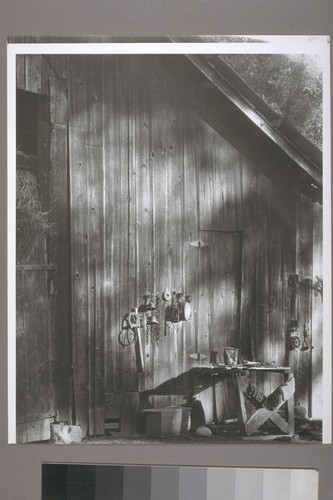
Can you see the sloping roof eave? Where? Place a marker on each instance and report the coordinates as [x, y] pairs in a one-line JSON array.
[[208, 67]]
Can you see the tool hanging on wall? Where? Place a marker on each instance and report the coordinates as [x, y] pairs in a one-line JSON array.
[[130, 334], [294, 340], [148, 317], [318, 287], [306, 344], [148, 311], [179, 308], [127, 334], [157, 317]]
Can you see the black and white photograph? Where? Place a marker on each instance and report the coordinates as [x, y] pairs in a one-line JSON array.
[[169, 223]]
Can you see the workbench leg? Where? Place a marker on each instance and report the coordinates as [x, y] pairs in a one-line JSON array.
[[240, 403], [290, 408]]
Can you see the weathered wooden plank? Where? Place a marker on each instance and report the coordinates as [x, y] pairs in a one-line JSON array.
[[141, 89], [45, 312], [95, 192], [21, 409], [221, 186], [128, 373], [129, 412], [34, 349], [34, 431], [161, 222], [221, 276], [136, 124], [39, 430], [192, 148], [276, 242], [290, 291], [57, 65], [58, 101], [112, 224], [59, 255], [35, 395], [317, 315], [33, 80], [219, 298], [289, 269], [20, 71], [132, 172], [113, 405], [204, 268], [262, 340], [203, 307], [43, 151], [95, 288], [304, 242], [79, 236], [248, 264], [87, 188], [175, 162], [45, 76], [27, 162], [36, 321]]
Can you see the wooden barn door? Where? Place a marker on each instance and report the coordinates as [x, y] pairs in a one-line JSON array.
[[35, 273], [42, 257], [218, 310]]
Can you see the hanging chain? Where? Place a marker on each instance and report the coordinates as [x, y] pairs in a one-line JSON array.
[[307, 317], [158, 315], [147, 330]]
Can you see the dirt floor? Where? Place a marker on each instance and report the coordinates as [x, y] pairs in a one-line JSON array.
[[306, 432]]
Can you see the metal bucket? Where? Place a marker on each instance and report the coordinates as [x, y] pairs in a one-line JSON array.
[[230, 356]]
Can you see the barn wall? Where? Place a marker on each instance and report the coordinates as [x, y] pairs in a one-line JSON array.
[[148, 177], [43, 299]]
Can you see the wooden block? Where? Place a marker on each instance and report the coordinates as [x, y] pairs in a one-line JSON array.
[[186, 418], [163, 422]]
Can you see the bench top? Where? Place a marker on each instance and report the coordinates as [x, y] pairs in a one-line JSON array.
[[220, 370]]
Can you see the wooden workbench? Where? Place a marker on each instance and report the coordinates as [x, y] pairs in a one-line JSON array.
[[249, 425]]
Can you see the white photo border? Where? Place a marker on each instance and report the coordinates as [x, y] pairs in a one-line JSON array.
[[315, 45]]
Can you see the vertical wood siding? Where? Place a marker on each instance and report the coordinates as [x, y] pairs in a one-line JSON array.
[[42, 306], [59, 248], [148, 177], [317, 316]]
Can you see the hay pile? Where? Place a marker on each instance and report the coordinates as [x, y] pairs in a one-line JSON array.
[[31, 221]]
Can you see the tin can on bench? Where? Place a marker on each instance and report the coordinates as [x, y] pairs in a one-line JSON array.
[[230, 356]]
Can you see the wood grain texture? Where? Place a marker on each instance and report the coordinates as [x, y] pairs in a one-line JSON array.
[[33, 74], [96, 243], [138, 176], [175, 161], [304, 242], [248, 310], [192, 152], [79, 240], [35, 328], [317, 314], [221, 200], [20, 72], [112, 314], [161, 189], [58, 245]]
